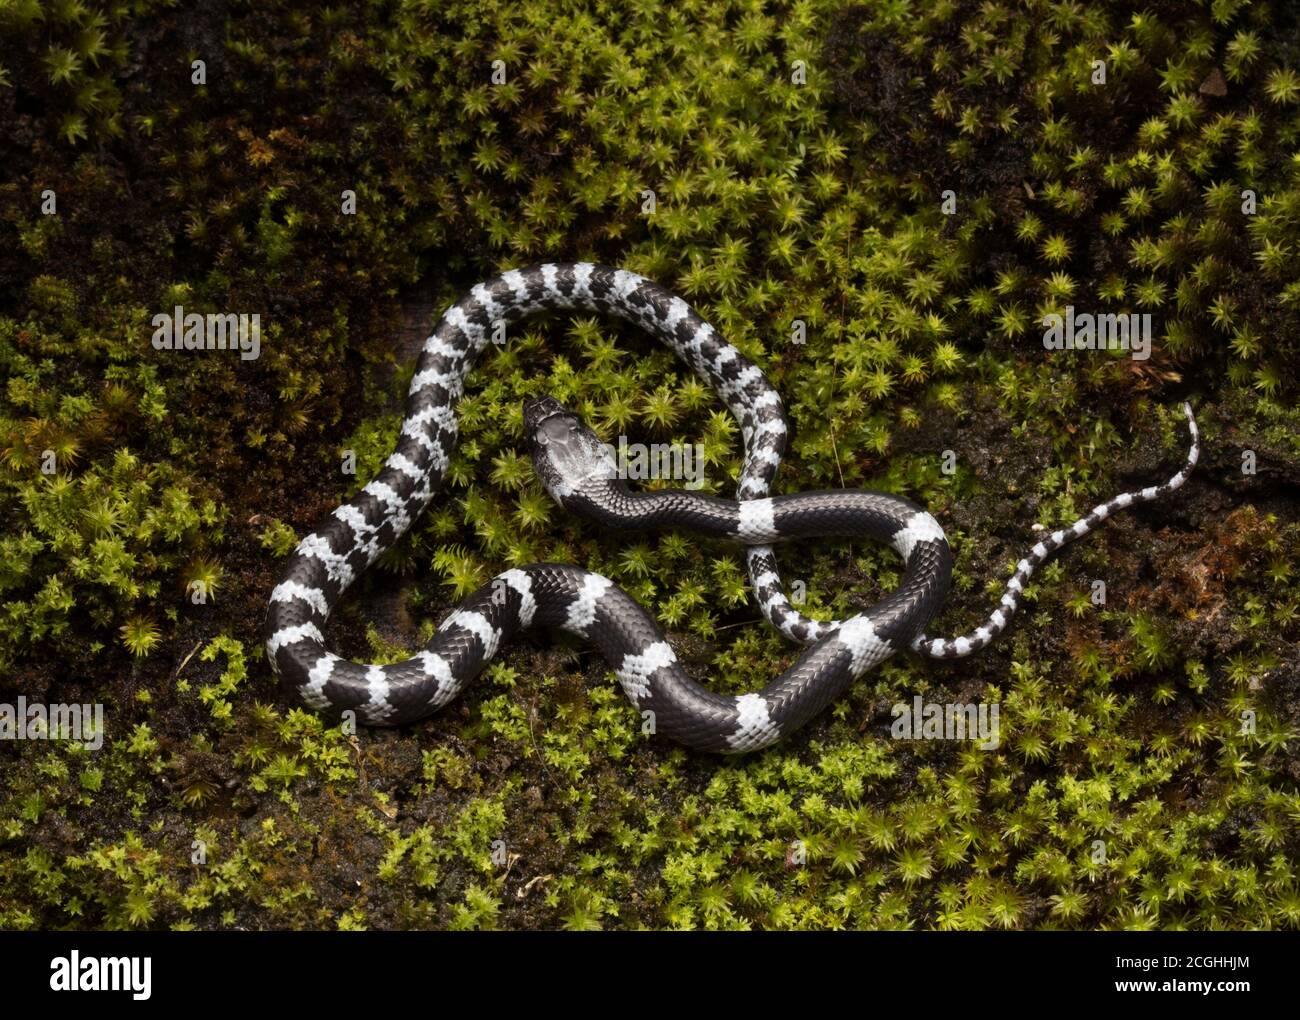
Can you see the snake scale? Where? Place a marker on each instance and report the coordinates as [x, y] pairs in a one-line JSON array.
[[577, 471]]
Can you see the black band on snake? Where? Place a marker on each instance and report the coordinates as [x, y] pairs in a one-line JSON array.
[[579, 472]]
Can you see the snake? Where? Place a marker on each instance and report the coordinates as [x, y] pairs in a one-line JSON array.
[[579, 473]]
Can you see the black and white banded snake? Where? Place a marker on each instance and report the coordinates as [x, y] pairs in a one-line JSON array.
[[578, 472]]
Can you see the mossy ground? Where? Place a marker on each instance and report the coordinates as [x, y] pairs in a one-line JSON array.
[[1126, 792]]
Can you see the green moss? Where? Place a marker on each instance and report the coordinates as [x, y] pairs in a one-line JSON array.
[[1146, 772]]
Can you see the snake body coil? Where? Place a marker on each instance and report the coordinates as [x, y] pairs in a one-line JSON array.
[[577, 472]]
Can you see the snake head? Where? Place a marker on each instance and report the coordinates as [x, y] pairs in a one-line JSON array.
[[567, 455]]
